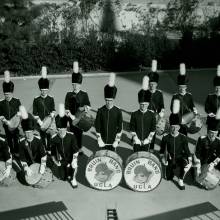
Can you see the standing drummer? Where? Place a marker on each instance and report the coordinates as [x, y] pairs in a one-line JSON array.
[[212, 102], [207, 147], [5, 156], [156, 102], [9, 107], [143, 121], [44, 106], [64, 149], [77, 100], [186, 99], [108, 123], [31, 148]]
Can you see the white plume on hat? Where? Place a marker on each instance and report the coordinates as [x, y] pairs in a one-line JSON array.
[[218, 70], [75, 67], [182, 69], [23, 112], [145, 83], [176, 106], [218, 114], [111, 81], [154, 66], [61, 110], [7, 76], [44, 72]]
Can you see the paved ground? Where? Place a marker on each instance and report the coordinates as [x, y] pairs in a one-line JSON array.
[[85, 203]]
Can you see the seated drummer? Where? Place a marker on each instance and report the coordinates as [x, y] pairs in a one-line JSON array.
[[175, 150], [9, 107], [31, 148], [44, 106], [108, 123], [64, 149], [186, 99], [143, 121], [156, 102], [5, 156], [208, 147]]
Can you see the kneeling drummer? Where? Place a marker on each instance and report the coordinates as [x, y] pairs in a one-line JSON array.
[[64, 149]]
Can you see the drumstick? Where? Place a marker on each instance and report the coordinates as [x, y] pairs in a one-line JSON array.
[[165, 173]]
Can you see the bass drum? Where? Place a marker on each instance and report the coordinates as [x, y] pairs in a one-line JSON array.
[[209, 179], [104, 170], [6, 181], [143, 171]]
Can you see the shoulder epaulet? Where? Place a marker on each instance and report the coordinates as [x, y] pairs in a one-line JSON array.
[[117, 107], [36, 97], [175, 94], [218, 138], [203, 136], [83, 90], [53, 136], [21, 139], [2, 100], [150, 110], [2, 139], [38, 137], [68, 132], [159, 90], [51, 96], [183, 135], [16, 98], [189, 93], [165, 135]]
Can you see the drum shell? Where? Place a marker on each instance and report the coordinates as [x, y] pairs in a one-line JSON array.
[[83, 120], [8, 181], [208, 179], [162, 125], [46, 179], [195, 125], [114, 167], [14, 122], [49, 125], [36, 176], [147, 161]]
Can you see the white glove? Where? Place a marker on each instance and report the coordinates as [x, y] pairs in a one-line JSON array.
[[28, 171], [42, 168], [52, 114], [195, 111], [7, 171], [211, 114], [211, 166], [161, 114], [146, 141], [74, 163], [115, 144], [137, 140], [100, 142], [198, 171], [165, 162], [56, 162], [68, 113]]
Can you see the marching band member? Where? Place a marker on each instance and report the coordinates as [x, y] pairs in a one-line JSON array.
[[143, 121], [77, 100], [108, 123], [64, 149], [44, 106], [5, 156], [31, 148], [212, 102], [186, 99], [9, 107], [156, 102], [174, 147], [207, 147]]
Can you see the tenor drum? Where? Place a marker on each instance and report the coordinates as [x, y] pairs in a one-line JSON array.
[[209, 179], [104, 170], [162, 125], [6, 181], [36, 176], [143, 171], [49, 125], [14, 122]]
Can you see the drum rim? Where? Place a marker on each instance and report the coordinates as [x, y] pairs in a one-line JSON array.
[[121, 166], [138, 190]]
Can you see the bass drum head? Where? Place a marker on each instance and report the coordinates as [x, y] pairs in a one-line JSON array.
[[36, 176], [6, 181], [104, 170], [143, 171]]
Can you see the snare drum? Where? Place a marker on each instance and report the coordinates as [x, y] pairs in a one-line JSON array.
[[49, 125], [209, 179], [143, 171], [6, 181], [104, 170]]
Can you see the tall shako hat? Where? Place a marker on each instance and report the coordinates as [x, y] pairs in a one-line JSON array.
[[8, 85], [76, 75], [61, 119], [153, 75], [174, 118], [216, 80], [143, 95], [43, 82], [110, 90], [214, 122], [27, 122], [182, 78]]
